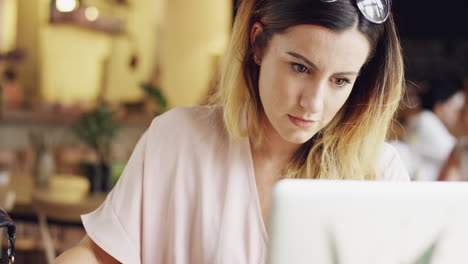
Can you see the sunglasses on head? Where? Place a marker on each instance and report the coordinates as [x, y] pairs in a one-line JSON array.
[[376, 11]]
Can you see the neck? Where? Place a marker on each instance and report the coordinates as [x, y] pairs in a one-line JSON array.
[[275, 149]]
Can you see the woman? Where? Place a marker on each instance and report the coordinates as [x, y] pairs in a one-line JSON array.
[[308, 90]]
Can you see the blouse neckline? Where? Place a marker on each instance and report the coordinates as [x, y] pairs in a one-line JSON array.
[[254, 189]]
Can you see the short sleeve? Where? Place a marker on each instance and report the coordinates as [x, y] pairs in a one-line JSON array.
[[389, 166], [115, 225]]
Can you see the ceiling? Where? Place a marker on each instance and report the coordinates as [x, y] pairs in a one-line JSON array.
[[429, 19]]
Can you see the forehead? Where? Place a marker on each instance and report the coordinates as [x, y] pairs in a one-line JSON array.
[[324, 46]]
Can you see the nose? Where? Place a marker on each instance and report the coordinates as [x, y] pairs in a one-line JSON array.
[[312, 97]]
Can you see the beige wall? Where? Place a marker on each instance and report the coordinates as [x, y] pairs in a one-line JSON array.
[[8, 17], [123, 83], [71, 63], [27, 40], [195, 32], [89, 61], [68, 64]]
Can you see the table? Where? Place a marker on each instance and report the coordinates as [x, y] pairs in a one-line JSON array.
[[65, 199]]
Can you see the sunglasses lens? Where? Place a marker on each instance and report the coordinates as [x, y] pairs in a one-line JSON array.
[[376, 11]]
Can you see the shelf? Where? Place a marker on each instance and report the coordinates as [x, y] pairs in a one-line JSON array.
[[65, 118]]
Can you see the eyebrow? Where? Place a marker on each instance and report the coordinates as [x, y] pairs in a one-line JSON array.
[[311, 64]]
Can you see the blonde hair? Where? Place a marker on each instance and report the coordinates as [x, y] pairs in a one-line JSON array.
[[348, 146]]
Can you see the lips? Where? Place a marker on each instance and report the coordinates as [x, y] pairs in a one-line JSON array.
[[302, 123]]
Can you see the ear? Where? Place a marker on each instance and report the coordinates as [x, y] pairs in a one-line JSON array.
[[256, 30]]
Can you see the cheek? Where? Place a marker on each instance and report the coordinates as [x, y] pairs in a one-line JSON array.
[[277, 87], [335, 102]]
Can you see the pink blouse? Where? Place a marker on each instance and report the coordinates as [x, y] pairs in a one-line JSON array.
[[188, 195]]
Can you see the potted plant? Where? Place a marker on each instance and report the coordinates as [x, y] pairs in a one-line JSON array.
[[97, 129], [158, 98]]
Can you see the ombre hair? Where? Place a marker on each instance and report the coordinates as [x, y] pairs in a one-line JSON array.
[[346, 148]]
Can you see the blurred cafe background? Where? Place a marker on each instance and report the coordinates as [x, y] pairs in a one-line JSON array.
[[80, 80]]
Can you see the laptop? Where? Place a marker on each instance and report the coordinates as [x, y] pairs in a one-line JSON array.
[[358, 222]]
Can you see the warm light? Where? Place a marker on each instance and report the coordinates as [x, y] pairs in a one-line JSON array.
[[66, 5], [91, 13]]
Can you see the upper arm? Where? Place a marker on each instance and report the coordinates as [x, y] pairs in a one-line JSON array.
[[449, 168], [142, 200], [118, 224], [86, 252], [115, 225]]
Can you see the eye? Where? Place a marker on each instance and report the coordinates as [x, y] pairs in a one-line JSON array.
[[341, 82], [299, 68]]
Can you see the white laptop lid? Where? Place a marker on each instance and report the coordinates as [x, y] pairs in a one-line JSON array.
[[357, 222]]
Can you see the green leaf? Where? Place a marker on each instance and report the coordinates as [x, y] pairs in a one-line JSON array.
[[156, 94], [427, 255], [97, 129], [333, 248]]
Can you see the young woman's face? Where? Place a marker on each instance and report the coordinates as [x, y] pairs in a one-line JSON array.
[[306, 75]]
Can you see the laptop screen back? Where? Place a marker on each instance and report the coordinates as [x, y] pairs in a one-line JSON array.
[[344, 222]]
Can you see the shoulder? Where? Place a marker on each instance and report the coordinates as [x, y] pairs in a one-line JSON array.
[[189, 115], [187, 130], [424, 120], [389, 165], [188, 120], [423, 116]]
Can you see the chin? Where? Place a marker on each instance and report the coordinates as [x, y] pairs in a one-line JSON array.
[[298, 138]]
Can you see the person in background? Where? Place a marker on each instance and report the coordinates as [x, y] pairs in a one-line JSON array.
[[430, 133], [308, 90], [409, 106], [456, 166]]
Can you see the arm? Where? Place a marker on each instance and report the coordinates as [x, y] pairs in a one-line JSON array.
[[116, 223], [449, 170], [85, 252]]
